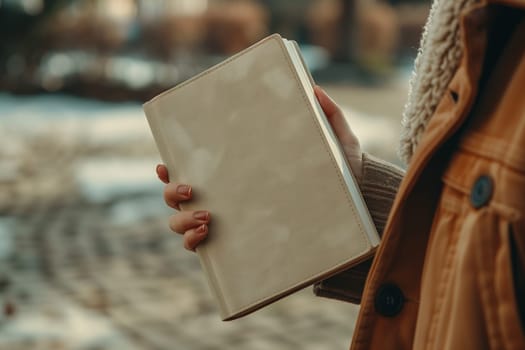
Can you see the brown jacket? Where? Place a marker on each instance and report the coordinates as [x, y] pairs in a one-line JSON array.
[[449, 273]]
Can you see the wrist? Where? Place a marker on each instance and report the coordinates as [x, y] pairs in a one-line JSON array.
[[356, 164]]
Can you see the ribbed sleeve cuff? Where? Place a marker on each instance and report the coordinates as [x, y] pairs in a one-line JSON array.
[[379, 183]]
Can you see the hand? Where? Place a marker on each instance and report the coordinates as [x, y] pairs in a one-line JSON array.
[[192, 224], [342, 130]]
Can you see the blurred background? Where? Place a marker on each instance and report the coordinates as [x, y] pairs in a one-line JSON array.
[[86, 257]]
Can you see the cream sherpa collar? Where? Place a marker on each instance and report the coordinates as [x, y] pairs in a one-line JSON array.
[[437, 59]]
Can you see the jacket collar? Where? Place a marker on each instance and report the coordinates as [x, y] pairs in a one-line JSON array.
[[438, 58]]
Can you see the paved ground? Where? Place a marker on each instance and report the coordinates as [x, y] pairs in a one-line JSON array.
[[86, 259]]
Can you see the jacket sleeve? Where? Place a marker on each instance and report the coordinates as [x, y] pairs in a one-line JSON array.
[[379, 183]]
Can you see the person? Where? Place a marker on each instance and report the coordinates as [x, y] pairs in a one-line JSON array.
[[450, 270]]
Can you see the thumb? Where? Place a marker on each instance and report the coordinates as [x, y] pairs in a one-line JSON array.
[[342, 130], [330, 108], [337, 120]]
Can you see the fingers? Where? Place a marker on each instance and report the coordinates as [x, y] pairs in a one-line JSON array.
[[175, 193], [193, 237], [186, 220], [162, 173], [193, 225]]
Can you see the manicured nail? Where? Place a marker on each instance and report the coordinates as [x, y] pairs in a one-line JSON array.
[[201, 229], [185, 190], [157, 168], [201, 215]]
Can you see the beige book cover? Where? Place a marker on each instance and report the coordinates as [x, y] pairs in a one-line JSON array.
[[251, 139]]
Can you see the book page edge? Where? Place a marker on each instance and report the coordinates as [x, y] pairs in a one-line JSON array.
[[351, 183]]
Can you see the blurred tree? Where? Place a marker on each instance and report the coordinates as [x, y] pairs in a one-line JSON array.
[[18, 19], [347, 28], [287, 17]]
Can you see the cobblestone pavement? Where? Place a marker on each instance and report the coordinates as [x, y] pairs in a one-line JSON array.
[[87, 260]]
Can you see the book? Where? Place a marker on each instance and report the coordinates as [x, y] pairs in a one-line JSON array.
[[251, 138]]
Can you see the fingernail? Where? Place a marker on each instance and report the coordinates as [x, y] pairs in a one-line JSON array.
[[201, 215], [201, 229], [184, 190], [157, 168]]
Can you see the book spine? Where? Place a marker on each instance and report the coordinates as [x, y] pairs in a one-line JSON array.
[[213, 282], [153, 118]]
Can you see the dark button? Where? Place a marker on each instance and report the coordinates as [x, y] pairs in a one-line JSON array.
[[481, 192], [389, 300]]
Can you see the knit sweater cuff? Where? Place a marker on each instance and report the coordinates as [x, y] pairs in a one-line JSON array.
[[379, 183]]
